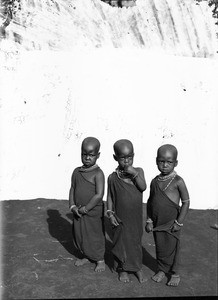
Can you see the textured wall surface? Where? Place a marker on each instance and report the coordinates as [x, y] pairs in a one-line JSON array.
[[51, 100], [182, 27]]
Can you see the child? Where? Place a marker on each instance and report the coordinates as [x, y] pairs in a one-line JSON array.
[[85, 201], [124, 208], [165, 218]]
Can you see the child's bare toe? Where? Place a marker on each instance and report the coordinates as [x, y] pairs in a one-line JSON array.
[[123, 276], [159, 276], [174, 280], [140, 276], [100, 266]]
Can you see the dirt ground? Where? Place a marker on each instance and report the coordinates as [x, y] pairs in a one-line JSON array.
[[38, 257]]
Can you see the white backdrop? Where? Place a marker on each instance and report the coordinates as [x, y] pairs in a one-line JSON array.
[[51, 101]]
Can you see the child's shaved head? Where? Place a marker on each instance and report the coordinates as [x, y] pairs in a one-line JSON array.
[[167, 148], [91, 141], [121, 145]]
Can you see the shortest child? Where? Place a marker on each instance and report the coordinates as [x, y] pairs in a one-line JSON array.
[[165, 216], [124, 204], [85, 201]]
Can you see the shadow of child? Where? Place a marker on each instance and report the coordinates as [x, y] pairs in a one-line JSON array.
[[109, 260], [61, 229], [148, 260]]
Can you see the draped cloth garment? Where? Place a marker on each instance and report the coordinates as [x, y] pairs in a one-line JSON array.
[[127, 240], [88, 231], [163, 213]]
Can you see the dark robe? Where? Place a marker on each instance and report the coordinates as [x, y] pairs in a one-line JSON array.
[[127, 240], [163, 213], [88, 231]]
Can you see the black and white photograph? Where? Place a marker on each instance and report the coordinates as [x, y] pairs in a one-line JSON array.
[[108, 149]]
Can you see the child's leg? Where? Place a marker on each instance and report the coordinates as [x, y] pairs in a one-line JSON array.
[[123, 276], [159, 276], [174, 280], [100, 266], [140, 276]]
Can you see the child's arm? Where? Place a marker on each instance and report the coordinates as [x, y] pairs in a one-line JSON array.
[[184, 195], [110, 211], [72, 205], [149, 223], [99, 186], [137, 177]]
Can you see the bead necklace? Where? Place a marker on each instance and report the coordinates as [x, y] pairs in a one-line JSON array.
[[165, 178], [84, 169], [169, 182]]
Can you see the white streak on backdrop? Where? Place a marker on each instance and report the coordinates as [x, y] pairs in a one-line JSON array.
[[52, 101]]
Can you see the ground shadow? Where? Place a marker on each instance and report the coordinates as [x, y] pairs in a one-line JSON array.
[[109, 260], [148, 260], [61, 229]]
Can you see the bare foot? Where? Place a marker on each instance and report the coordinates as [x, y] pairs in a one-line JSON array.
[[100, 266], [159, 276], [123, 276], [81, 262], [174, 280], [140, 276]]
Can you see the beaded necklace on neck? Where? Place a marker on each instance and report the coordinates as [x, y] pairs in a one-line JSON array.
[[165, 178], [169, 182], [84, 169]]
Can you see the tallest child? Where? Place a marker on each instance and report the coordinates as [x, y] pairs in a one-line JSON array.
[[124, 203]]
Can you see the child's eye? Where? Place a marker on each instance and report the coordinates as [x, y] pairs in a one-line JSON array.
[[126, 157], [90, 155], [167, 162]]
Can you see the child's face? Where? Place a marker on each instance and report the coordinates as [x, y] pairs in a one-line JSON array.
[[166, 162], [124, 157], [89, 155]]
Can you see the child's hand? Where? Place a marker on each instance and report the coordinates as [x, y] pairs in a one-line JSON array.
[[175, 227], [130, 170], [75, 211], [113, 221], [149, 227], [82, 210]]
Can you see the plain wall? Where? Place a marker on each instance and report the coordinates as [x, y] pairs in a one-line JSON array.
[[53, 100]]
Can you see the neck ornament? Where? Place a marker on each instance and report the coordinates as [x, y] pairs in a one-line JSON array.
[[122, 174], [169, 182], [165, 178], [84, 169]]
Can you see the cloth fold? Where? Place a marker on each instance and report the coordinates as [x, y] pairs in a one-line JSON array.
[[88, 231], [127, 239], [163, 212]]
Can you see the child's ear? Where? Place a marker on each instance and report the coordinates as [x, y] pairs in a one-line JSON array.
[[98, 155], [156, 160], [115, 157], [176, 163]]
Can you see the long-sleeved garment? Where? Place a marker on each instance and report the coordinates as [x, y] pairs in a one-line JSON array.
[[127, 240], [164, 212], [88, 231]]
